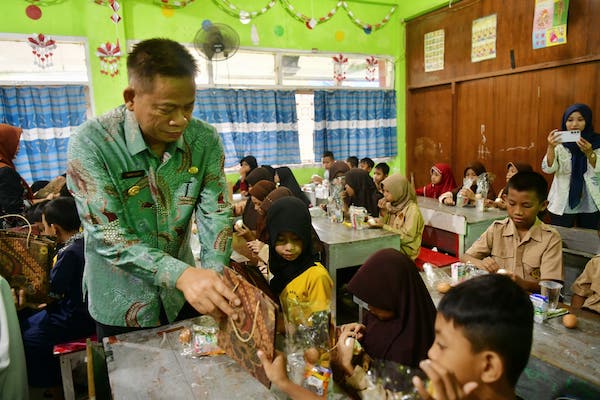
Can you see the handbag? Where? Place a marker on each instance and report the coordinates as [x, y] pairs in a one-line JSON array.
[[26, 261], [254, 330]]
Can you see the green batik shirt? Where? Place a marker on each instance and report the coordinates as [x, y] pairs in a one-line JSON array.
[[136, 211]]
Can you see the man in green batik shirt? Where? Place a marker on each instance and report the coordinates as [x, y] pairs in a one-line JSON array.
[[138, 173]]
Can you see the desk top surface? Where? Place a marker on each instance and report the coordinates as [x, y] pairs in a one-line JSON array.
[[572, 350], [336, 233], [470, 214], [148, 364]]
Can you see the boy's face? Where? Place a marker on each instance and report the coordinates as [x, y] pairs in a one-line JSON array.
[[244, 168], [378, 175], [48, 229], [453, 351], [523, 207], [327, 161], [288, 245], [365, 166], [436, 178]]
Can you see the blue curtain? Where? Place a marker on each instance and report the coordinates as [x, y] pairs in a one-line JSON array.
[[262, 123], [47, 116], [358, 123]]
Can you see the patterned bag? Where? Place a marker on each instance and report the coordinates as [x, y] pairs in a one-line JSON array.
[[25, 262], [254, 330]]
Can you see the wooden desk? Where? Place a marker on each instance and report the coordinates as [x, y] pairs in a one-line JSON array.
[[561, 359], [143, 365], [347, 247], [465, 222]]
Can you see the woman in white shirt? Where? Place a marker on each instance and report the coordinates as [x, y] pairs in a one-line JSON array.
[[575, 192]]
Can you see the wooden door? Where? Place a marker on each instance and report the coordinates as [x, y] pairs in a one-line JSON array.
[[429, 131]]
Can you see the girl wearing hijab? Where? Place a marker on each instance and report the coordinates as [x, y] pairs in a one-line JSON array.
[[247, 164], [259, 246], [400, 213], [249, 214], [442, 181], [285, 177], [361, 191], [15, 193], [398, 325], [297, 277], [471, 172], [511, 169], [574, 197]]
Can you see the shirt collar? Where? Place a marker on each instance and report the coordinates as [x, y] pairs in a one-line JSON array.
[[135, 140], [535, 232]]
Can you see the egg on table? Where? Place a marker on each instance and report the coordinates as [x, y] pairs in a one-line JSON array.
[[569, 321], [443, 287]]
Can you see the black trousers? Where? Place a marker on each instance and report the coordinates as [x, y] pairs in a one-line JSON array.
[[102, 331]]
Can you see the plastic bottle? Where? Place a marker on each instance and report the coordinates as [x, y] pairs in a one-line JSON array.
[[479, 202]]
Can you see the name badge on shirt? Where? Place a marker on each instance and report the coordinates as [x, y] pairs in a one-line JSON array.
[[133, 174]]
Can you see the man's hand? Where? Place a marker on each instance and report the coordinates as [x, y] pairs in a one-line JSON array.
[[206, 292], [444, 384]]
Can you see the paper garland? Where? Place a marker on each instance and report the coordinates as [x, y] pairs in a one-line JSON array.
[[310, 22], [43, 49], [173, 3]]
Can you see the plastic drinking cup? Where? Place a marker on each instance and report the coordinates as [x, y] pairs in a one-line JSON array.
[[551, 290]]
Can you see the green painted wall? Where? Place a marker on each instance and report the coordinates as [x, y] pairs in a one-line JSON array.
[[144, 19]]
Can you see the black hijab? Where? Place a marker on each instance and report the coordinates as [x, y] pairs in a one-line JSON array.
[[578, 159], [288, 214], [389, 280], [365, 193], [287, 179]]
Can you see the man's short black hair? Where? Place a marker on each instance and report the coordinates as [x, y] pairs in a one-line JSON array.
[[158, 57], [353, 161], [62, 211], [383, 167], [329, 154], [494, 314], [367, 161], [529, 181]]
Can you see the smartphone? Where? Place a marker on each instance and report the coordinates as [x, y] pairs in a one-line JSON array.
[[569, 136]]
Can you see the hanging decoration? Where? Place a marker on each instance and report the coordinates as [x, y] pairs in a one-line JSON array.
[[310, 22], [254, 35], [368, 28], [44, 3], [33, 12], [340, 63], [173, 3], [109, 55], [244, 15], [43, 50], [371, 68]]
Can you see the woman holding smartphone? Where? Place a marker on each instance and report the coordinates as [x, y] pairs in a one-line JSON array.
[[574, 197]]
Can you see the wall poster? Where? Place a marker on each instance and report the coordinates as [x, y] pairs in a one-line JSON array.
[[483, 38], [550, 23], [434, 50]]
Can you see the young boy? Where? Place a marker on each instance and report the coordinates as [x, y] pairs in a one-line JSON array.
[[381, 171], [326, 160], [483, 335], [367, 164], [524, 247], [352, 161], [586, 288], [66, 317]]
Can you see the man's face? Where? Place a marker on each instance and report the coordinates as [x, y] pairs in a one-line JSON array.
[[327, 161], [164, 111]]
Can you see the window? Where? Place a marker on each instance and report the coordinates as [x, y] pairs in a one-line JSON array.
[[17, 62]]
